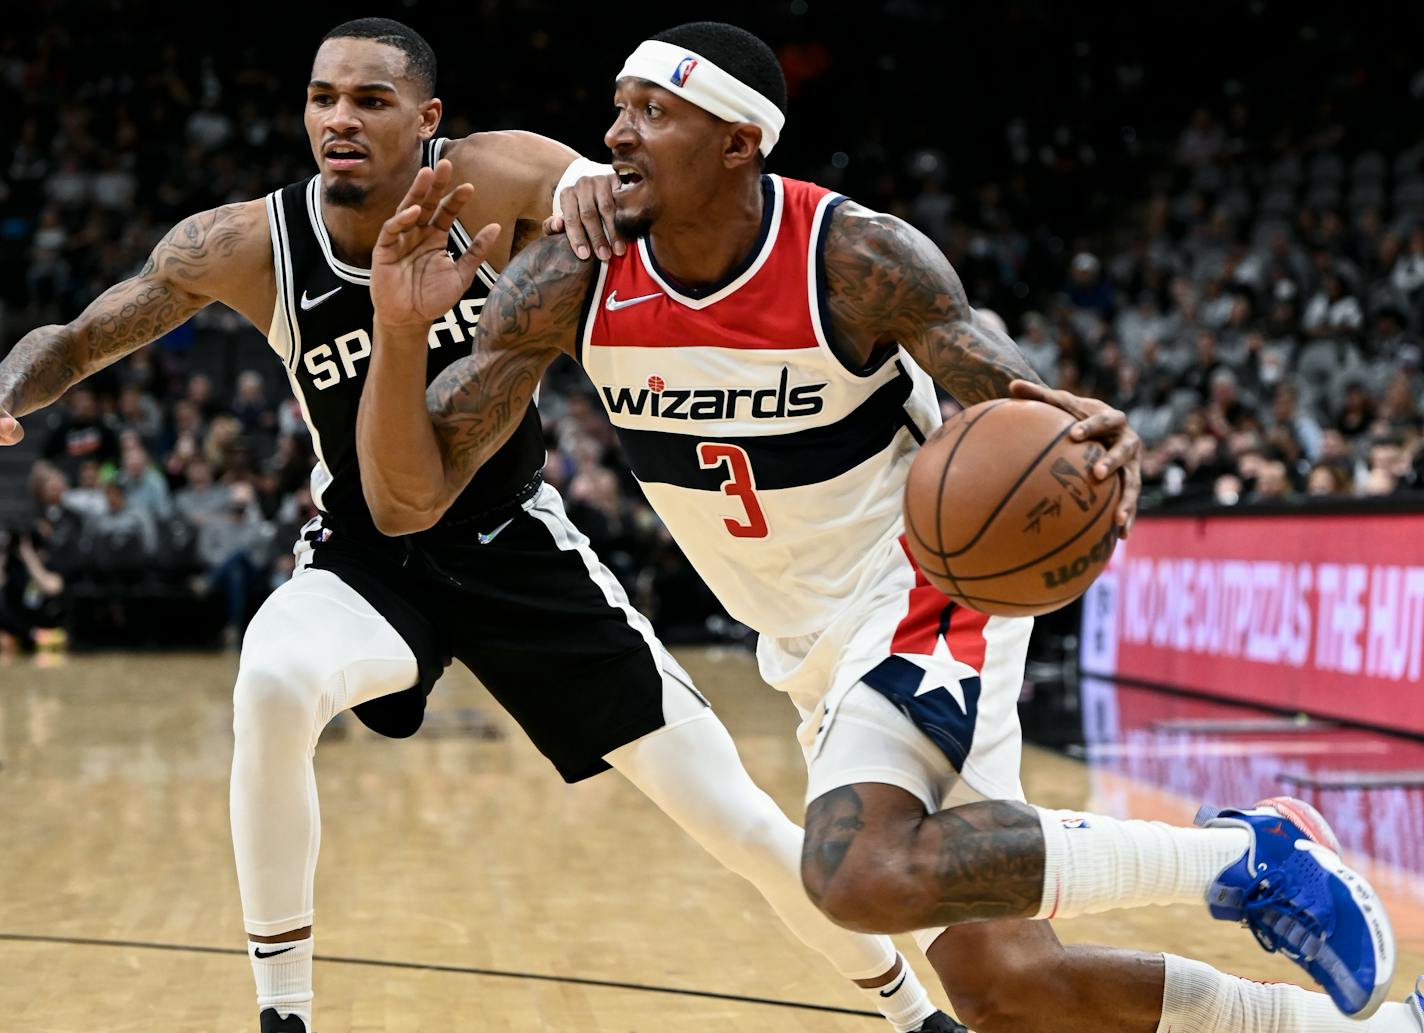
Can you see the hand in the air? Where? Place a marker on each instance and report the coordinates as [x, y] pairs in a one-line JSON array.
[[414, 278], [1098, 421], [586, 215]]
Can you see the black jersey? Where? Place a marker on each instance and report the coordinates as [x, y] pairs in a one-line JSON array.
[[322, 331]]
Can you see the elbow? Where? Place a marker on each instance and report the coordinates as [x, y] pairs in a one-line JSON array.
[[393, 520]]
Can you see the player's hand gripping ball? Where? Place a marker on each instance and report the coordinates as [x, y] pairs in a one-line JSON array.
[[1003, 513]]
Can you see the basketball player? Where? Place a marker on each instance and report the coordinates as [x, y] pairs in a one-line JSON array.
[[760, 351], [504, 582]]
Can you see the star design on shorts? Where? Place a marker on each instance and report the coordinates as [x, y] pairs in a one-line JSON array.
[[942, 671]]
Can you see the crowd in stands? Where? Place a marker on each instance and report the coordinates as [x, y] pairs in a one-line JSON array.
[[1244, 278]]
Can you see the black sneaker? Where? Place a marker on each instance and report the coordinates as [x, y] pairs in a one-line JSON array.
[[939, 1022], [274, 1023]]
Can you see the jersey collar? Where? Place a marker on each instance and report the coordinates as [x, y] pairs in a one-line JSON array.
[[701, 297]]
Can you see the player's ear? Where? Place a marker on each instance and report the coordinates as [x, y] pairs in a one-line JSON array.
[[743, 145], [430, 113]]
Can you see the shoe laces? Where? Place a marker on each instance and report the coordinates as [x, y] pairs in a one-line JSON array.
[[1271, 897]]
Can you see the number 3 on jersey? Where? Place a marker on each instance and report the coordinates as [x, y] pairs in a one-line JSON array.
[[739, 483]]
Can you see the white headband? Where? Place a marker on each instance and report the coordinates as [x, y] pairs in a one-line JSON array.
[[698, 81]]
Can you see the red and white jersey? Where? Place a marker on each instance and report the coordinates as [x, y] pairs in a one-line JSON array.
[[776, 466]]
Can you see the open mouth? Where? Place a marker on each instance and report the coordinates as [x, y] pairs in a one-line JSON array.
[[341, 156], [628, 177]]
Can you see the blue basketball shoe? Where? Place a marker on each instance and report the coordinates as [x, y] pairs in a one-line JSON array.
[[1295, 894]]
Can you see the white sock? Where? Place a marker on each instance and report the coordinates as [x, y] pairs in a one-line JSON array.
[[1199, 999], [905, 1005], [283, 972], [1093, 863]]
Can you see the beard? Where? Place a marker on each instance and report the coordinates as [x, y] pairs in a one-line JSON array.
[[345, 194], [633, 225]]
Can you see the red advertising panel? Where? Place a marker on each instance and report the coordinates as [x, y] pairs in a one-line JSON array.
[[1321, 614]]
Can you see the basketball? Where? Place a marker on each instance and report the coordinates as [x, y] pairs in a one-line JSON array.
[[1002, 512]]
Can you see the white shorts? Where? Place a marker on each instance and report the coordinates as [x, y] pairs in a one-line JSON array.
[[908, 689]]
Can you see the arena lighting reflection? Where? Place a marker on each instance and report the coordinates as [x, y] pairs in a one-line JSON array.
[[1370, 786]]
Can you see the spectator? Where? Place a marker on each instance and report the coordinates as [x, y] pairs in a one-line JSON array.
[[1328, 480], [250, 406], [1038, 346], [129, 530], [1272, 483], [1286, 414], [138, 411], [201, 501], [233, 547], [1357, 411], [1087, 288], [143, 485], [1333, 313], [78, 434]]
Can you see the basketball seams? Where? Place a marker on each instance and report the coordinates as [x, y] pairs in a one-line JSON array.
[[1013, 489], [939, 494], [1112, 500], [983, 591]]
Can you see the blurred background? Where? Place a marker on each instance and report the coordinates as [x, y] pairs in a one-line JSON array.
[[1212, 218], [1210, 215]]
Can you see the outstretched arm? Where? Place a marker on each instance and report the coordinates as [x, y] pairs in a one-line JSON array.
[[182, 275], [889, 284], [419, 448]]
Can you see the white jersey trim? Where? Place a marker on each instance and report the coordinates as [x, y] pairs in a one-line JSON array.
[[285, 335], [348, 272], [778, 207], [813, 293], [289, 342], [547, 506]]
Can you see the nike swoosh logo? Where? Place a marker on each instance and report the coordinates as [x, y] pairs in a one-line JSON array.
[[613, 304], [310, 303], [891, 992], [257, 951], [485, 539]]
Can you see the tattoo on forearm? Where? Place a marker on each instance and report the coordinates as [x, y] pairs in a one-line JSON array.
[[127, 316], [889, 284], [531, 315], [832, 822]]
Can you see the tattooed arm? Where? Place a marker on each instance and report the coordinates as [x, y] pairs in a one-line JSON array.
[[419, 448], [204, 258], [889, 285]]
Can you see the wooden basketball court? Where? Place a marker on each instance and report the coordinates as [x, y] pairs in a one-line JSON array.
[[462, 886]]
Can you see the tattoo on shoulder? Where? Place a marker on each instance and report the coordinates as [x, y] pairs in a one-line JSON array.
[[529, 318], [889, 284]]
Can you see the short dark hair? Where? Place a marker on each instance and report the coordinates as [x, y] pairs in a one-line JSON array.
[[420, 59], [737, 52]]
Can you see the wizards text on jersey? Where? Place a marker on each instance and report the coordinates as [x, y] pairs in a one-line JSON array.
[[717, 403]]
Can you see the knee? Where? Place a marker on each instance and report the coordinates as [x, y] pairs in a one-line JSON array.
[[873, 892], [274, 692]]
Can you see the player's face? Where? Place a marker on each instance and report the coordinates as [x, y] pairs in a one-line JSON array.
[[365, 118], [667, 154]]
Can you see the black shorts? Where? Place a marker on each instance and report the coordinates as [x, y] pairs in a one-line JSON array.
[[524, 604]]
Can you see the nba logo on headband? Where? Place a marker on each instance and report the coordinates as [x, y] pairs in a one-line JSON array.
[[683, 70]]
